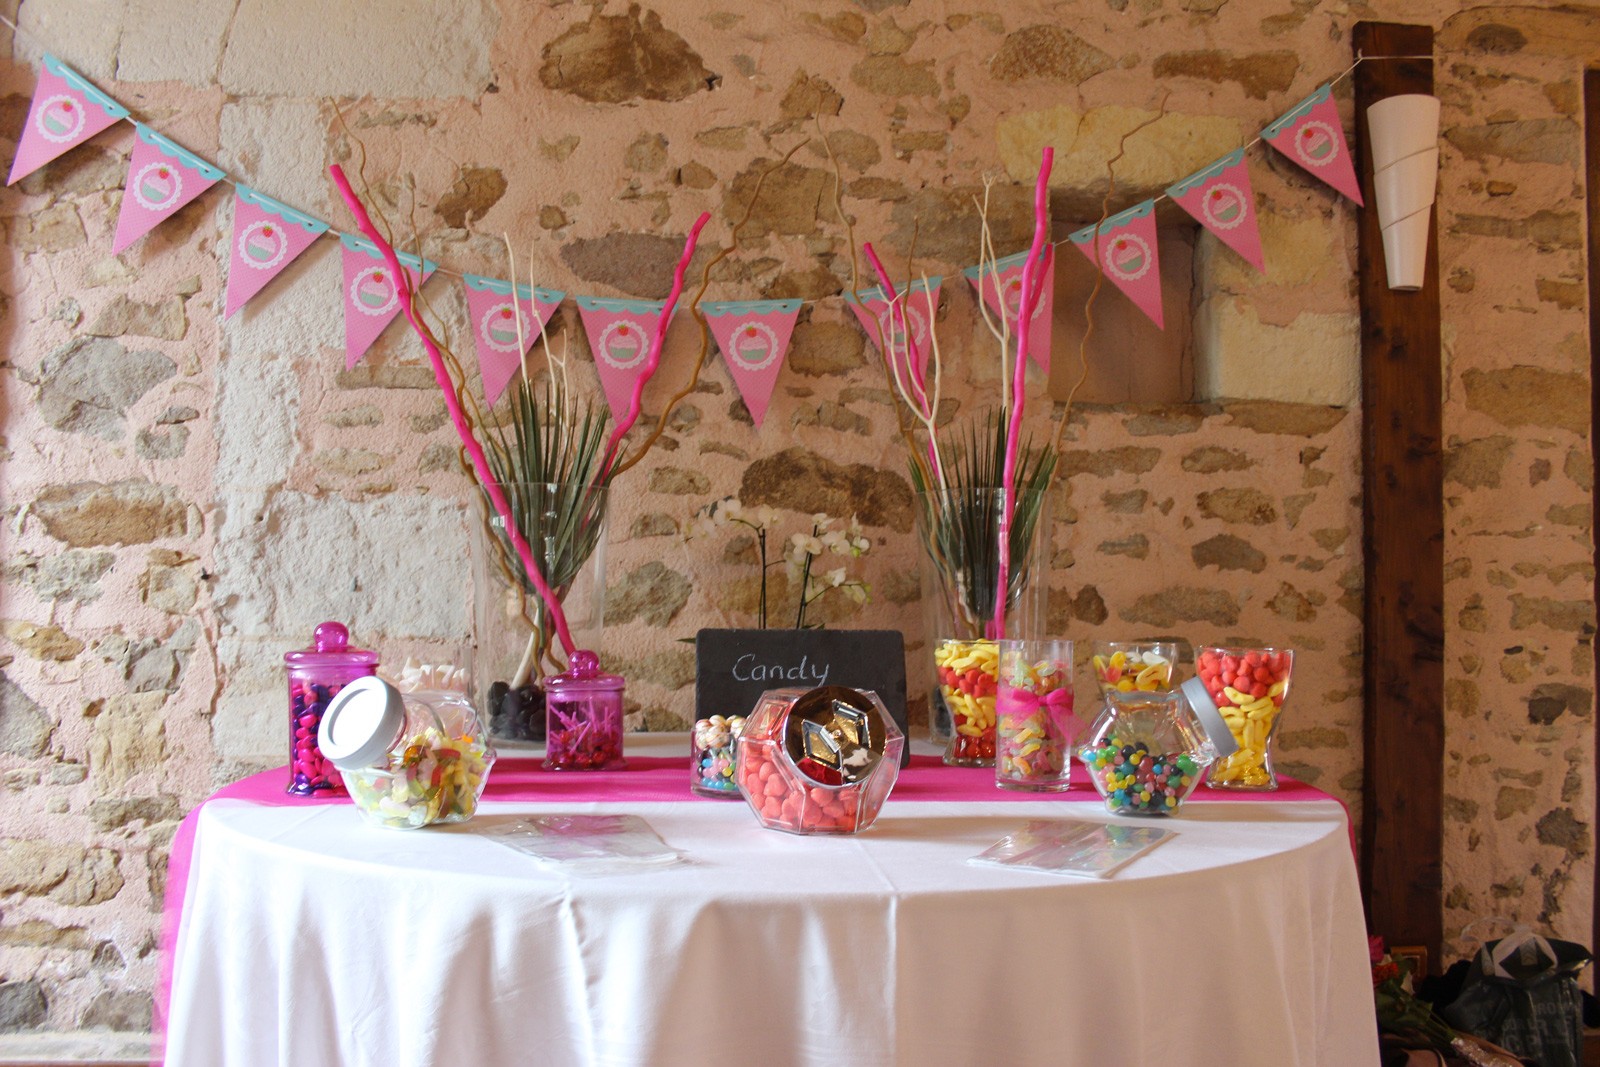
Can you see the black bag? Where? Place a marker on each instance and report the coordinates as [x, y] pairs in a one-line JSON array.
[[1522, 993]]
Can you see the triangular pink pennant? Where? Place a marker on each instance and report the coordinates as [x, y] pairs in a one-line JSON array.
[[162, 178], [504, 329], [620, 332], [1221, 199], [1311, 134], [754, 336], [1000, 284], [267, 236], [871, 307], [371, 297], [67, 110], [1128, 256]]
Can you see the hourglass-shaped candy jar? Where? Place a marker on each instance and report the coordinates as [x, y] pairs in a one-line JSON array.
[[1249, 686]]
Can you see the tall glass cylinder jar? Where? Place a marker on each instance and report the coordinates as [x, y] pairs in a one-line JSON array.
[[1035, 727], [316, 674], [514, 637], [959, 531]]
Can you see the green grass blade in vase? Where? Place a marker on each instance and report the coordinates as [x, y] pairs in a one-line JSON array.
[[961, 521], [547, 465]]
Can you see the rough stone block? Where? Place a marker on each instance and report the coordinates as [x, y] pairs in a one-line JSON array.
[[396, 566], [22, 1006], [71, 575], [85, 514], [1155, 157], [1313, 360], [255, 422], [404, 50], [88, 386], [24, 726]]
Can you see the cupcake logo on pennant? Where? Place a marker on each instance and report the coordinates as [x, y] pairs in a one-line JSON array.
[[373, 292], [263, 245], [622, 345], [157, 186], [894, 331], [1316, 145], [1012, 295], [498, 328], [755, 346], [1129, 257], [1223, 206], [59, 119]]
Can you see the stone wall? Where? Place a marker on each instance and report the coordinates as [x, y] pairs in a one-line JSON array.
[[186, 498]]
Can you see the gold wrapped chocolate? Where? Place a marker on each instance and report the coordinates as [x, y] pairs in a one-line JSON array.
[[832, 728]]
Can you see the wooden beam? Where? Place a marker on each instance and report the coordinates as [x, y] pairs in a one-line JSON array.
[[1402, 541], [1591, 153]]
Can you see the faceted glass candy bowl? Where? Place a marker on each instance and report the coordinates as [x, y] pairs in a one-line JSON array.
[[1146, 752], [1249, 686], [818, 761]]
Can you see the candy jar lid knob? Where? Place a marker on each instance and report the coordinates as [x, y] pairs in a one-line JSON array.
[[331, 637], [584, 664]]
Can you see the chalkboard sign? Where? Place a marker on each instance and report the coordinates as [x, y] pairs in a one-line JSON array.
[[734, 667]]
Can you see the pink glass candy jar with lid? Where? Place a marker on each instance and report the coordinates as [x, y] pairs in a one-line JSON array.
[[583, 717], [316, 674]]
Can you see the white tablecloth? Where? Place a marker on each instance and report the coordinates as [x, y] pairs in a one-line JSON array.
[[312, 939]]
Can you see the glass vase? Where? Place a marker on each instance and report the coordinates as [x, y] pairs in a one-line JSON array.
[[514, 637], [1034, 722], [959, 531], [1249, 686]]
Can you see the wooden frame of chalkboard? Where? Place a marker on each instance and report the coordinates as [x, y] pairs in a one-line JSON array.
[[734, 667]]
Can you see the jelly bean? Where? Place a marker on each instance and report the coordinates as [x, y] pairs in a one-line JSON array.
[[1137, 788]]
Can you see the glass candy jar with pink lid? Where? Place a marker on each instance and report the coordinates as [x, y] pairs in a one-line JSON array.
[[316, 674]]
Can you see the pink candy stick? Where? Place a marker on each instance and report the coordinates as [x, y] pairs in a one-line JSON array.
[[452, 403], [654, 359], [1030, 296]]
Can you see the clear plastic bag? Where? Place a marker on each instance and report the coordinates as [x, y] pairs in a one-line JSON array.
[[596, 844], [1071, 847]]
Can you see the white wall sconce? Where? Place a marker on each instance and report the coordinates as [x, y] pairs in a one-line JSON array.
[[1405, 172]]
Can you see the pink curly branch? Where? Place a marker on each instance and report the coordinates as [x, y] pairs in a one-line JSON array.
[[452, 403]]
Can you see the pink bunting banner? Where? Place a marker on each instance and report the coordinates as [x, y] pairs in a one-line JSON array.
[[871, 307], [1128, 256], [162, 178], [1000, 284], [371, 295], [267, 236], [1311, 134], [67, 110], [754, 337], [619, 334], [505, 329], [1221, 199]]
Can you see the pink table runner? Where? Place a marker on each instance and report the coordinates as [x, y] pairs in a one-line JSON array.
[[646, 779]]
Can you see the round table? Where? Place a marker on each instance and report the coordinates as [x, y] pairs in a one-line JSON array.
[[311, 938]]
